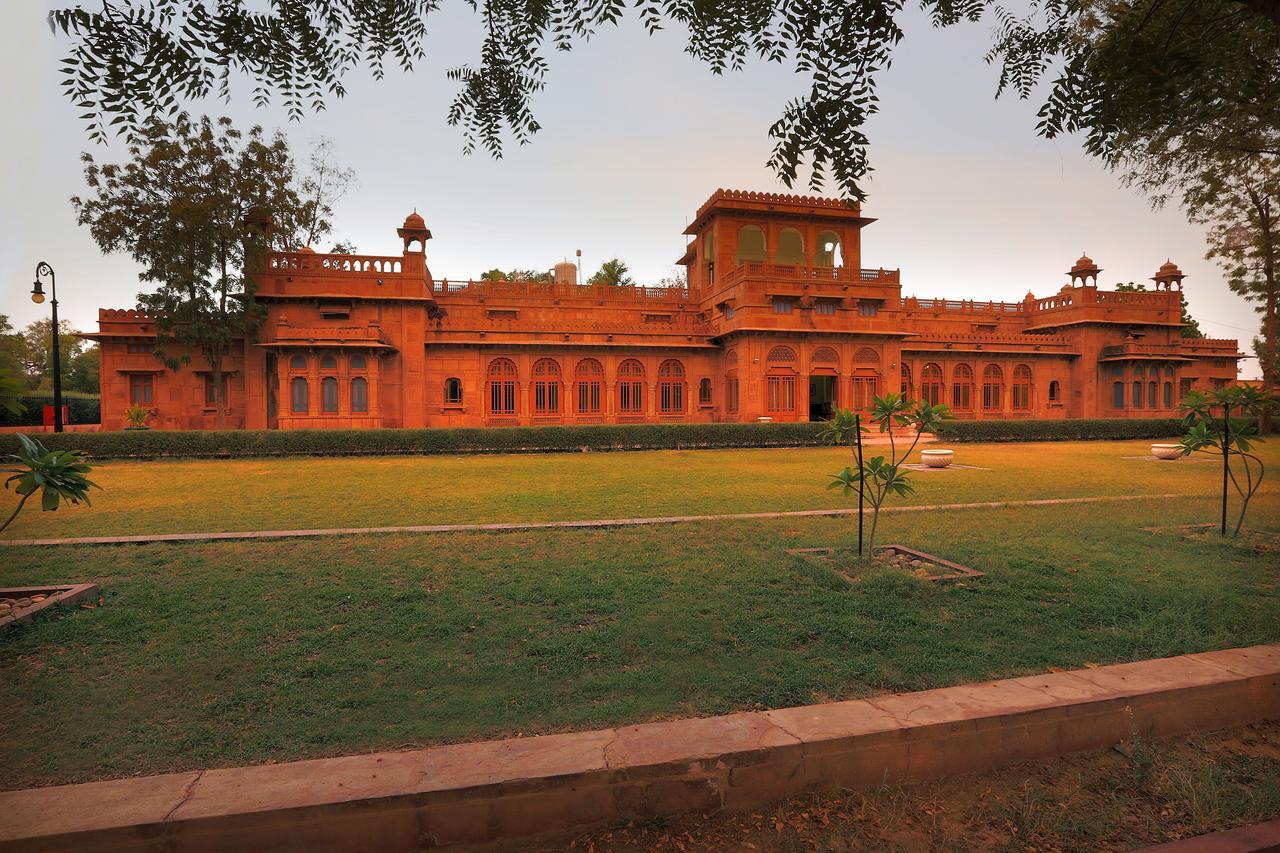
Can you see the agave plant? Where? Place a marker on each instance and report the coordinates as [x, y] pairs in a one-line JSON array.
[[875, 479], [59, 476], [1211, 428]]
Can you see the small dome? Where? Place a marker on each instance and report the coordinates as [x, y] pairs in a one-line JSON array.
[[413, 220], [1030, 297], [1168, 268], [1085, 261], [306, 250]]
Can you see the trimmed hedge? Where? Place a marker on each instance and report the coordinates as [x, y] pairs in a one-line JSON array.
[[81, 408], [1061, 430], [149, 444], [327, 442]]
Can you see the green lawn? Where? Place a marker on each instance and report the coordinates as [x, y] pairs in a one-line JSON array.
[[220, 654], [302, 492]]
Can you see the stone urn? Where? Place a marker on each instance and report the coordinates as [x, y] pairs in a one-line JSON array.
[[1166, 451], [937, 458]]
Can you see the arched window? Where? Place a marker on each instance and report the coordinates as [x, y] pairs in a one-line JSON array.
[[905, 379], [992, 388], [298, 362], [546, 387], [502, 387], [671, 387], [704, 392], [1152, 401], [1054, 391], [589, 381], [962, 388], [328, 362], [359, 395], [828, 254], [781, 357], [790, 247], [631, 387], [1022, 388], [453, 391], [359, 362], [1168, 395], [866, 378], [750, 244], [329, 395], [1117, 395], [931, 384], [1136, 401], [299, 396]]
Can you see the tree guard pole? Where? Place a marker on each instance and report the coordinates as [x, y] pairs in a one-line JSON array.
[[857, 433], [1226, 449]]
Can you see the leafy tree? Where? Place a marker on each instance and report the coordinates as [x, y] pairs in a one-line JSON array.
[[324, 184], [184, 205], [1122, 66], [612, 271], [12, 386], [58, 475], [875, 478], [528, 275], [494, 274], [677, 278], [83, 372], [1190, 325], [37, 355], [344, 247], [1211, 427]]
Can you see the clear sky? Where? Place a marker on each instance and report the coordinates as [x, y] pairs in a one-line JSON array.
[[636, 134]]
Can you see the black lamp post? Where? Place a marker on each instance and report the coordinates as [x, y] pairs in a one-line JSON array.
[[37, 296]]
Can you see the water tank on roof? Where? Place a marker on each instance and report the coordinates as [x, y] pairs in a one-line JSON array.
[[566, 273]]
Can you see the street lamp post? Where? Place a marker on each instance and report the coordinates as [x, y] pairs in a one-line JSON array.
[[37, 296]]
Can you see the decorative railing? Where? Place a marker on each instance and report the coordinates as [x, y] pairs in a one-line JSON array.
[[802, 272], [992, 338], [966, 306], [558, 291], [312, 263], [1153, 300], [341, 333], [680, 325], [1228, 344]]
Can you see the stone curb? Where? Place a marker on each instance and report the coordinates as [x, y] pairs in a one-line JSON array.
[[549, 525], [481, 792]]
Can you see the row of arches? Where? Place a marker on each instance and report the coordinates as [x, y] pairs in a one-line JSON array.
[[331, 397], [753, 247], [587, 389], [967, 395]]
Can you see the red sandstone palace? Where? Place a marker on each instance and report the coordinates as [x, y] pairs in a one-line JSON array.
[[778, 321]]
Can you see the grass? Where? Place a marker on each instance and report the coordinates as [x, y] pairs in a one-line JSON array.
[[302, 492], [220, 654]]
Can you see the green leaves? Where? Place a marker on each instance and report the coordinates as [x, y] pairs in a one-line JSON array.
[[58, 475]]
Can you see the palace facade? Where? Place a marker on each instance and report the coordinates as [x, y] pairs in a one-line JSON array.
[[778, 321]]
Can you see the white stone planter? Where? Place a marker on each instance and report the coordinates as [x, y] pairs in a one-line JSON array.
[[937, 458], [1166, 451]]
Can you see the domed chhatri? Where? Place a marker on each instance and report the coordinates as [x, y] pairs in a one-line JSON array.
[[1083, 270], [1168, 277], [414, 220]]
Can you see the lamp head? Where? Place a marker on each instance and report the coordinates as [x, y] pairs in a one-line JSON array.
[[37, 293]]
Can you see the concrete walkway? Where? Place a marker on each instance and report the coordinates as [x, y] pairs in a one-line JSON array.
[[147, 538]]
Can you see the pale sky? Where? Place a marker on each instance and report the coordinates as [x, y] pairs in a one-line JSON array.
[[636, 135]]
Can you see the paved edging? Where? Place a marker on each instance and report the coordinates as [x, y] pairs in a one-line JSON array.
[[479, 792], [147, 538], [1257, 838]]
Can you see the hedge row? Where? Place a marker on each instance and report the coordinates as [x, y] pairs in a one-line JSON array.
[[1061, 430], [82, 409], [325, 442], [548, 439]]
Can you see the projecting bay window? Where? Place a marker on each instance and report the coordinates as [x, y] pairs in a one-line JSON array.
[[359, 395], [329, 395], [299, 396]]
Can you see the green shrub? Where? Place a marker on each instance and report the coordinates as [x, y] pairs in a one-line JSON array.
[[81, 408], [1060, 430]]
